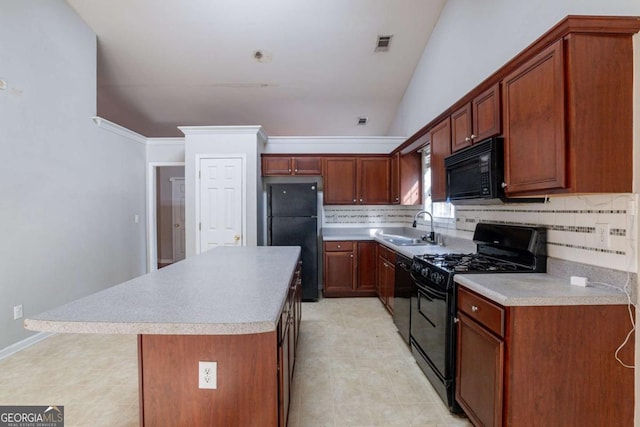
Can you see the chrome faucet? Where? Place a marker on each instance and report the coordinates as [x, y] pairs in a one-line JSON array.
[[432, 234]]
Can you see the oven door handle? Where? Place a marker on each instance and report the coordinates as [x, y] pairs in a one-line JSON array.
[[415, 279]]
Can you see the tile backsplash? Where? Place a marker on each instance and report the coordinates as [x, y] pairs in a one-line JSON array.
[[368, 216], [572, 223]]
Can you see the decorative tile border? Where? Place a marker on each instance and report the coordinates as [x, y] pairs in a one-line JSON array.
[[368, 215], [587, 248]]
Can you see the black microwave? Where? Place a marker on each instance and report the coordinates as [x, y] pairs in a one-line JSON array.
[[475, 174]]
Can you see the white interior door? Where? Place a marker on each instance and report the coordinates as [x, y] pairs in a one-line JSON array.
[[221, 202], [177, 214]]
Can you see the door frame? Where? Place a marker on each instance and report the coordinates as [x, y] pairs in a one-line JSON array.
[[175, 180], [243, 208], [152, 214]]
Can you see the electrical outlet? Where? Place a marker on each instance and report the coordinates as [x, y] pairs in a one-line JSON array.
[[208, 375], [17, 312], [602, 236]]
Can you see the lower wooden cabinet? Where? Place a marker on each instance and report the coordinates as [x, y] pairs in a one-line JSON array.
[[288, 331], [349, 268], [522, 366], [386, 276]]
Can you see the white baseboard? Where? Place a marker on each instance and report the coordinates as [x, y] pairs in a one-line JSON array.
[[165, 261], [25, 343]]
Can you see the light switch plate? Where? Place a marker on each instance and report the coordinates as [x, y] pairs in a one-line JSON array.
[[207, 375]]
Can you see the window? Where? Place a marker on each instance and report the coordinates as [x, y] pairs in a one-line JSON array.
[[443, 210]]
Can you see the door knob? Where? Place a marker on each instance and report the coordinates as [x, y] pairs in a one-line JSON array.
[[236, 237], [503, 185], [176, 225]]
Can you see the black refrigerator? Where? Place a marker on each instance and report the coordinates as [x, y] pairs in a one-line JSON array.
[[292, 220]]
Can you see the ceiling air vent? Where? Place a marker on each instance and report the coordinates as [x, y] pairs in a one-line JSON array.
[[383, 43], [362, 121]]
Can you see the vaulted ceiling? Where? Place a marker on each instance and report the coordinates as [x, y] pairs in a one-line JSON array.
[[166, 63]]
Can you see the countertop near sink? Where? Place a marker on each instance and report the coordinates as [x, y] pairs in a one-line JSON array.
[[452, 244], [537, 289]]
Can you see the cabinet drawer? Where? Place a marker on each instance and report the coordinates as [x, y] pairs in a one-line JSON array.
[[339, 246], [481, 310], [391, 256]]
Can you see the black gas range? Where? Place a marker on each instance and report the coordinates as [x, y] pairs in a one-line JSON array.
[[500, 249]]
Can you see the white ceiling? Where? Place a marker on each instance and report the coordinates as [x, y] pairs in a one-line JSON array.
[[166, 63]]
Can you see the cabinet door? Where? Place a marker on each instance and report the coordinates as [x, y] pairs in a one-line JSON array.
[[284, 352], [276, 166], [366, 261], [307, 165], [373, 180], [339, 272], [440, 136], [390, 283], [534, 124], [479, 373], [394, 179], [381, 278], [461, 128], [411, 179], [485, 111], [340, 181]]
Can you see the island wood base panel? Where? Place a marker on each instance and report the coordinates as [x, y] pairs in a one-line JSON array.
[[247, 386]]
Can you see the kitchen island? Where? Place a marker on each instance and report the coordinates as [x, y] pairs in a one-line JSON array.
[[236, 306]]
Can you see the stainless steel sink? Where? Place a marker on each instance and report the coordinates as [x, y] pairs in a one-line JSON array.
[[404, 240]]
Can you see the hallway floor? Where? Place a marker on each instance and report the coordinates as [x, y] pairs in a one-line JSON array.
[[352, 369]]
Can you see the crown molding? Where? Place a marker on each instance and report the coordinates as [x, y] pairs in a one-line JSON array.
[[165, 141], [119, 130], [207, 130], [336, 139]]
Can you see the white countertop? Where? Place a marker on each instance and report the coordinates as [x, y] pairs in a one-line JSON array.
[[537, 289], [224, 291]]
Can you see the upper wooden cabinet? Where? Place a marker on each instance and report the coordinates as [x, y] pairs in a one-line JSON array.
[[440, 137], [340, 181], [476, 120], [278, 165], [394, 179], [356, 180], [568, 118], [373, 180], [406, 179]]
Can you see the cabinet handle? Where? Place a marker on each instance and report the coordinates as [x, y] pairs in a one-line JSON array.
[[474, 308], [467, 139], [397, 199], [351, 256], [361, 200], [296, 170], [339, 246], [456, 320], [354, 200], [473, 137], [289, 170], [503, 185]]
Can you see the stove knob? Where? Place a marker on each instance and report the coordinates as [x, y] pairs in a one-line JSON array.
[[425, 272]]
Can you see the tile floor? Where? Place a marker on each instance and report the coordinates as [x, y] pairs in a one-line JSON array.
[[353, 369]]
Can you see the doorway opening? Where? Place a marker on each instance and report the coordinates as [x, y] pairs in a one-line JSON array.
[[166, 215]]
